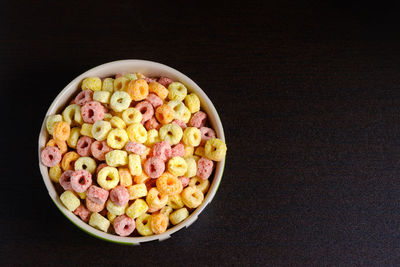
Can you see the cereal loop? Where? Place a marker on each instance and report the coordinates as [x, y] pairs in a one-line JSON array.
[[132, 115], [158, 89], [138, 89], [204, 168], [83, 146], [65, 180], [143, 225], [97, 195], [165, 81], [123, 225], [154, 167], [162, 150], [146, 109], [68, 161], [108, 178], [168, 184], [178, 150], [80, 181], [61, 131], [152, 124], [136, 148], [198, 120], [192, 197], [164, 114], [84, 97], [99, 150], [159, 223], [50, 156], [61, 145], [92, 111], [154, 100], [215, 149], [171, 133], [119, 195], [93, 206], [206, 134]]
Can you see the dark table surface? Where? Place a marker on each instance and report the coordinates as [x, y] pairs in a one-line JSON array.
[[309, 97]]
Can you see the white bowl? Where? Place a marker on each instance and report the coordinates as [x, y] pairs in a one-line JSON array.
[[148, 68]]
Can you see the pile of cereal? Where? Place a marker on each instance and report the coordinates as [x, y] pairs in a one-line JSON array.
[[132, 152]]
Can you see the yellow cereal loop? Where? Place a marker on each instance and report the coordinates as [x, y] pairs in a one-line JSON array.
[[85, 163], [86, 130], [72, 115], [51, 120], [137, 133], [125, 177], [158, 89], [99, 222], [168, 184], [191, 167], [200, 184], [192, 102], [108, 178], [117, 138], [135, 166], [131, 76], [100, 130], [117, 122], [177, 91], [111, 217], [200, 152], [91, 83], [215, 149], [137, 191], [172, 133], [116, 158], [155, 199], [68, 160], [192, 197], [181, 112], [74, 137], [141, 179], [61, 131], [152, 137], [120, 101], [143, 225], [175, 201], [159, 223], [140, 75], [62, 146], [115, 209], [191, 136], [102, 96], [178, 216], [108, 85], [70, 201], [166, 210], [121, 83], [177, 166], [81, 195], [138, 89], [132, 115], [55, 173], [189, 150], [138, 208]]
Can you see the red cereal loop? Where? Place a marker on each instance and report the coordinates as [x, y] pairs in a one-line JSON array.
[[83, 146], [136, 148], [180, 123], [93, 206], [151, 124], [101, 166], [154, 167], [204, 168], [154, 100], [92, 111], [97, 194], [178, 150], [184, 180], [99, 149], [50, 156], [198, 120], [84, 97], [146, 109], [165, 81], [81, 180], [149, 79], [119, 195], [83, 212], [65, 180], [162, 150], [123, 225], [206, 134]]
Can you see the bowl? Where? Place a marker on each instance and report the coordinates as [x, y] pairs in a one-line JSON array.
[[148, 68]]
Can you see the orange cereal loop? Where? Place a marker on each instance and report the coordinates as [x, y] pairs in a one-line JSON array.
[[61, 131], [68, 161], [164, 114], [62, 145], [159, 223], [169, 184], [158, 89], [125, 177], [138, 89], [141, 179]]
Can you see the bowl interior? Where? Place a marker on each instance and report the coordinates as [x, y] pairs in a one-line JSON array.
[[148, 68]]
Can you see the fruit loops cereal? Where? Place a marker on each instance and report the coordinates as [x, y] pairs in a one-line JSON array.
[[132, 154]]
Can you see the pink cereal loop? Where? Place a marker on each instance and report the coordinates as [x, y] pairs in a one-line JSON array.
[[136, 148], [151, 124], [65, 180], [50, 156], [178, 150], [96, 194], [165, 81], [81, 180], [123, 225], [198, 120], [149, 79], [154, 100], [83, 146], [162, 150], [99, 149], [204, 168], [92, 111], [146, 109], [180, 123], [93, 206], [206, 134], [184, 180], [84, 97], [83, 212], [119, 195], [154, 167]]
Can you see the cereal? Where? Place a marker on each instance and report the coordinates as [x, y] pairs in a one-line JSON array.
[[200, 151], [191, 167], [178, 150], [166, 210], [204, 168], [61, 131], [102, 97], [93, 206], [138, 89], [164, 114], [162, 150], [165, 81], [97, 195], [123, 225], [143, 225], [65, 180], [116, 158], [192, 197], [119, 195], [215, 149], [171, 133], [155, 199], [70, 201], [158, 89], [180, 123], [135, 166], [117, 122], [85, 163], [100, 149], [50, 156], [152, 124], [99, 222], [142, 178], [137, 133], [86, 130], [200, 184], [136, 148], [111, 217], [154, 167], [175, 201], [125, 177], [51, 120], [55, 173], [117, 138], [159, 223], [80, 180], [185, 181], [68, 160], [61, 145], [154, 100], [83, 146], [206, 134], [108, 85], [121, 83], [192, 102], [107, 116], [108, 178], [120, 101], [131, 116], [138, 208], [73, 137], [189, 150], [100, 130], [72, 115], [92, 83], [82, 212], [137, 191], [146, 109], [131, 76], [191, 136], [92, 111], [177, 91], [178, 216], [152, 137], [82, 195], [198, 119], [83, 97], [177, 166], [114, 208], [101, 166], [169, 184], [181, 112]]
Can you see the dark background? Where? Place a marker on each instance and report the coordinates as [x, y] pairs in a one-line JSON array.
[[309, 97]]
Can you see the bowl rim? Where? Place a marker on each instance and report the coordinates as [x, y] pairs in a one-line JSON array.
[[206, 104]]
